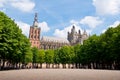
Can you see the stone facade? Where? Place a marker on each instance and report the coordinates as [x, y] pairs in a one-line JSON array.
[[52, 42], [76, 38]]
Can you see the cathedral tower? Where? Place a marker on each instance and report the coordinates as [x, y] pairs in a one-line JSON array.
[[34, 33], [76, 37], [72, 37]]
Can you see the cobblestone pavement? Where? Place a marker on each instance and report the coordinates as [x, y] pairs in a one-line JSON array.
[[60, 74]]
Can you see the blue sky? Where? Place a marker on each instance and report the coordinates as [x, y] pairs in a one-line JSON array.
[[56, 17]]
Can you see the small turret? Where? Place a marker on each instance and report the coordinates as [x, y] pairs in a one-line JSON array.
[[73, 29], [79, 32]]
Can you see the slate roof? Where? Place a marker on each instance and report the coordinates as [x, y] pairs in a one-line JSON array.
[[54, 39]]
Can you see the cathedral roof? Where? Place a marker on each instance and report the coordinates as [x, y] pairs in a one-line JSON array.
[[54, 39]]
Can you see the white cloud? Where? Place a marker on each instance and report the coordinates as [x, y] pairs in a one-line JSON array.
[[89, 31], [44, 26], [103, 31], [24, 27], [91, 21], [2, 3], [74, 22], [23, 5], [63, 33], [115, 24], [107, 7]]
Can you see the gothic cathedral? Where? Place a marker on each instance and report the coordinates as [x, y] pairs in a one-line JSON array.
[[46, 42]]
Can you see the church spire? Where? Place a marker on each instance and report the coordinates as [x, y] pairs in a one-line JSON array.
[[36, 17], [35, 23]]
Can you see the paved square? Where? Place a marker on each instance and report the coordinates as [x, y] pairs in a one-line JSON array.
[[60, 74]]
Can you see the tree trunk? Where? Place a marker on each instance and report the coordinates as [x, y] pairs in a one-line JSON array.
[[0, 63], [76, 66], [46, 65], [40, 65], [58, 65], [63, 65], [19, 65], [53, 65], [94, 65], [91, 64], [73, 65], [80, 65], [3, 65], [69, 65]]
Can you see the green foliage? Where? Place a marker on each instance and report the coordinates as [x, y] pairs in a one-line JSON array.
[[29, 57], [49, 56], [56, 56], [41, 56], [13, 44], [77, 53], [35, 53], [64, 54]]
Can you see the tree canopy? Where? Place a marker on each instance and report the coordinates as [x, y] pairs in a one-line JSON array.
[[14, 46]]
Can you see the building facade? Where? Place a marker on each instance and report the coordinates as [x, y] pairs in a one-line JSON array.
[[53, 42], [46, 42], [76, 37]]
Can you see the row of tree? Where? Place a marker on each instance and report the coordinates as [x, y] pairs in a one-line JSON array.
[[97, 52], [64, 55]]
